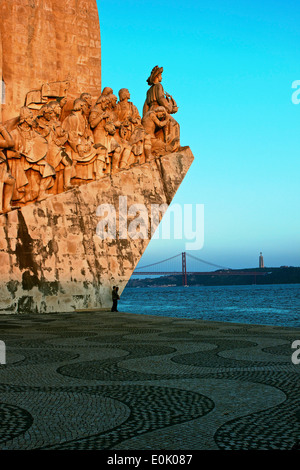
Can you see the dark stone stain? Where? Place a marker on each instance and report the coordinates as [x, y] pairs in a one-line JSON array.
[[24, 248], [86, 301], [11, 308], [40, 213], [49, 288], [163, 179], [85, 222], [26, 305], [78, 297], [52, 247], [123, 244], [12, 287], [179, 161], [29, 280], [53, 220]]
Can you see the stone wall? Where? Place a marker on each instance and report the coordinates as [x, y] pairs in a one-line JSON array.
[[51, 259], [48, 40]]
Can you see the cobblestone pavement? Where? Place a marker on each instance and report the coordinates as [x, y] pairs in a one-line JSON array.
[[102, 380]]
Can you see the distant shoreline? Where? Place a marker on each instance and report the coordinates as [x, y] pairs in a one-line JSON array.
[[271, 276]]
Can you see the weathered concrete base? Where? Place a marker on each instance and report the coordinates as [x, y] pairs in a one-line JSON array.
[[51, 258]]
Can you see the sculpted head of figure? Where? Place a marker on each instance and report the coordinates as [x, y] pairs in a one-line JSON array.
[[160, 112], [107, 91], [102, 101], [47, 112], [26, 116], [155, 76], [124, 94], [113, 100], [107, 94], [79, 105], [55, 107], [87, 98]]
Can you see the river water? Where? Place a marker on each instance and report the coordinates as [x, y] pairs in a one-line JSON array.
[[261, 305]]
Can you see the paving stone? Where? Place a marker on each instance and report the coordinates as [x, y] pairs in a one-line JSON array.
[[102, 380]]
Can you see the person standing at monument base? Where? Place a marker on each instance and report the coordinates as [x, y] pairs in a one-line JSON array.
[[115, 298]]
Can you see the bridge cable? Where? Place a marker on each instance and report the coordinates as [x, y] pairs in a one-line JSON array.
[[159, 262], [207, 262]]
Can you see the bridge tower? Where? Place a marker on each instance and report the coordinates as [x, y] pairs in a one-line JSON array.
[[184, 275]]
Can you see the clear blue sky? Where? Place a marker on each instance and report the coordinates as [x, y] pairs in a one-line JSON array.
[[230, 66]]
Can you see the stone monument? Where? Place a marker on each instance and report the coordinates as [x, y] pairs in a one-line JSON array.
[[80, 170]]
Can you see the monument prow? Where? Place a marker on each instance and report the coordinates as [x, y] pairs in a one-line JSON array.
[[52, 258]]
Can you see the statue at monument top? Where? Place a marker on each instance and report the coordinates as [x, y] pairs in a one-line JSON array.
[[157, 98], [156, 95]]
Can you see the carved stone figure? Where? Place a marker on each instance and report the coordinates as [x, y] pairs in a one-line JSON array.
[[131, 130], [106, 92], [112, 103], [55, 105], [92, 163], [140, 145], [87, 98], [116, 118], [7, 182], [27, 161], [66, 107], [156, 96], [98, 119], [155, 120], [77, 128], [51, 129], [103, 122], [127, 114], [43, 120], [113, 148]]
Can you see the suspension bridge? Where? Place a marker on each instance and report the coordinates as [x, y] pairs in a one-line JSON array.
[[171, 266]]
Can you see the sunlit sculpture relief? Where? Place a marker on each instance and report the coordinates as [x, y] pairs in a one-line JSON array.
[[57, 143], [49, 126], [101, 120], [27, 161], [127, 114], [130, 129], [49, 91], [156, 97]]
